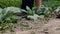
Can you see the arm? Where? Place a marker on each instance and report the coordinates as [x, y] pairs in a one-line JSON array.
[[38, 3]]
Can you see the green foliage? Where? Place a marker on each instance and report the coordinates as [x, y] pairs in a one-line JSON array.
[[30, 11], [8, 3], [57, 11], [34, 13], [33, 17], [4, 26], [33, 33], [53, 0], [51, 3], [8, 16], [44, 11], [24, 25]]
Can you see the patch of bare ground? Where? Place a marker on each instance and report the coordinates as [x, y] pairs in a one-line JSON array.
[[53, 26], [38, 27]]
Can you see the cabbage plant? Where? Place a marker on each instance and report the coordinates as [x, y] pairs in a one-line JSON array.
[[57, 12], [45, 11], [9, 14]]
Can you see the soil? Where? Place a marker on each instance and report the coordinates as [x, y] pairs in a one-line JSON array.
[[37, 27]]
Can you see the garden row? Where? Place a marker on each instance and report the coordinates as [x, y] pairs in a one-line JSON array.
[[9, 15]]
